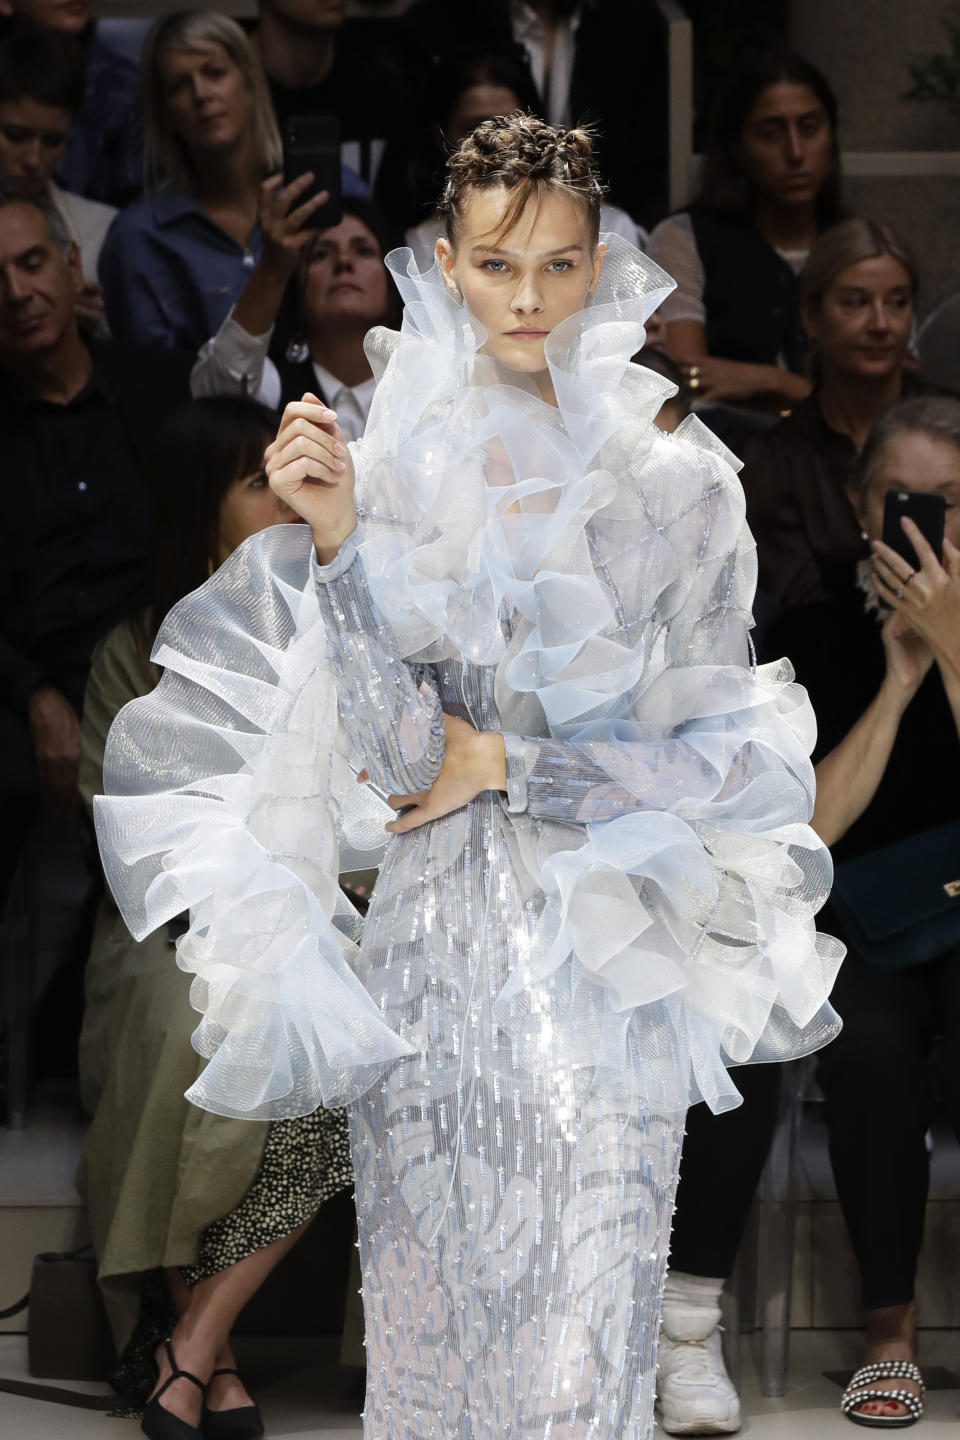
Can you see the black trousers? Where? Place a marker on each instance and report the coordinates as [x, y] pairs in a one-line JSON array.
[[880, 1083], [723, 1158], [19, 792]]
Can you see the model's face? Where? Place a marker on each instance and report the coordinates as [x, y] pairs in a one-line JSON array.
[[476, 104], [248, 506], [785, 147], [345, 280], [520, 285], [911, 461], [206, 97], [38, 286], [32, 140], [311, 14], [67, 16], [863, 321]]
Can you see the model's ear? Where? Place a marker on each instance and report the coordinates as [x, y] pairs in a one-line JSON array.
[[598, 255]]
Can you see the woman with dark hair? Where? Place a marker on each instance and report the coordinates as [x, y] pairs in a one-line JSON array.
[[211, 1201], [341, 290], [771, 184], [882, 664], [470, 89]]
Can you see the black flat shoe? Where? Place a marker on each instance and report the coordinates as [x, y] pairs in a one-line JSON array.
[[243, 1423], [161, 1424]]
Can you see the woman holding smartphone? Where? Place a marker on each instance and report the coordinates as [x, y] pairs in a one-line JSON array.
[[883, 671]]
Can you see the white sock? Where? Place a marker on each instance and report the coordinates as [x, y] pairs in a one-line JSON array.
[[691, 1305]]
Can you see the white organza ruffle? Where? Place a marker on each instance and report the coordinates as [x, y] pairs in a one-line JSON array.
[[621, 557]]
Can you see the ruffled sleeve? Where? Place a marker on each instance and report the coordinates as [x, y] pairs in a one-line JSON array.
[[226, 790]]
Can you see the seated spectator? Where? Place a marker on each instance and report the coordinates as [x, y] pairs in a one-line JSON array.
[[40, 80], [318, 63], [938, 345], [858, 292], [343, 289], [103, 159], [771, 183], [213, 1202], [881, 665], [465, 93], [602, 61], [673, 411], [78, 419], [176, 260]]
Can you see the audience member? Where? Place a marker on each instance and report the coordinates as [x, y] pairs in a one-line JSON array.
[[771, 183], [103, 156], [858, 292], [466, 92], [316, 63], [343, 289], [176, 259], [882, 667], [78, 420], [40, 80], [602, 61], [673, 411], [938, 345], [214, 1202]]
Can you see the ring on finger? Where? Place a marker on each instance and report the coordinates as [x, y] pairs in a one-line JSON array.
[[911, 576]]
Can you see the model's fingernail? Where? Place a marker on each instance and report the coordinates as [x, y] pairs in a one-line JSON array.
[[339, 449], [329, 414]]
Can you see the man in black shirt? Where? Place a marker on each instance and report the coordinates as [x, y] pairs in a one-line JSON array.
[[77, 422]]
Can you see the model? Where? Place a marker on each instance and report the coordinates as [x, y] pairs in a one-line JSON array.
[[600, 885]]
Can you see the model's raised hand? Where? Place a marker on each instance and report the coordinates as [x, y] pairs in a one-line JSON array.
[[309, 467]]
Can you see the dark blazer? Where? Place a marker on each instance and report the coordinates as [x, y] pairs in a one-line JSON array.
[[619, 83]]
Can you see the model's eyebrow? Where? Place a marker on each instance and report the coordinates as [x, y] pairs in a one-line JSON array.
[[507, 254]]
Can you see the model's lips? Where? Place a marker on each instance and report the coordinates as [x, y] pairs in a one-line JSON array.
[[526, 333], [345, 285]]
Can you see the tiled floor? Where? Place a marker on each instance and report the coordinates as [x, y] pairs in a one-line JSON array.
[[305, 1395]]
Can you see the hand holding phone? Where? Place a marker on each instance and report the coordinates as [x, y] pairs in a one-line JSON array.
[[311, 145], [284, 220], [926, 510]]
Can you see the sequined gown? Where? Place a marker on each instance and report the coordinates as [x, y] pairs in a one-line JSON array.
[[545, 978], [513, 1225]]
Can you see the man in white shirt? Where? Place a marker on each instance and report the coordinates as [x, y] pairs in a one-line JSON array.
[[343, 289]]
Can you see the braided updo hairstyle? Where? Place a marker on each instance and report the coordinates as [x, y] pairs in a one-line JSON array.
[[527, 157]]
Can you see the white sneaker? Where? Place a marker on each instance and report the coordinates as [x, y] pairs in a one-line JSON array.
[[695, 1395]]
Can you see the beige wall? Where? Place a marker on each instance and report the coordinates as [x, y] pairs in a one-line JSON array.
[[863, 46]]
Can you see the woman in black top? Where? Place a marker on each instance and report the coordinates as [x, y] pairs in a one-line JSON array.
[[771, 184], [885, 684]]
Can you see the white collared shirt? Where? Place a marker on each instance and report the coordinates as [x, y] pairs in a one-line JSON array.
[[528, 30], [351, 402]]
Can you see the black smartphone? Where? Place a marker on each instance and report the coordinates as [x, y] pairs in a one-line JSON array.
[[928, 512], [312, 142]]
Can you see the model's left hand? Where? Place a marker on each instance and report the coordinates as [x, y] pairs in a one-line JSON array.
[[928, 599], [473, 761]]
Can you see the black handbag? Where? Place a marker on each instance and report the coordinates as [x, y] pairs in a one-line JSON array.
[[900, 905]]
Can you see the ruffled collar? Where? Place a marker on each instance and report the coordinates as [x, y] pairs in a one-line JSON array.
[[478, 496]]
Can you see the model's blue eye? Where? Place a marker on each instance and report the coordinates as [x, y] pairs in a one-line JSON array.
[[495, 267], [559, 266]]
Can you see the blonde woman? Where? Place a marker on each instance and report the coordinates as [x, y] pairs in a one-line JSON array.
[[176, 260], [857, 299]]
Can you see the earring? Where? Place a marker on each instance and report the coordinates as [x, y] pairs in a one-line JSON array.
[[455, 295]]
